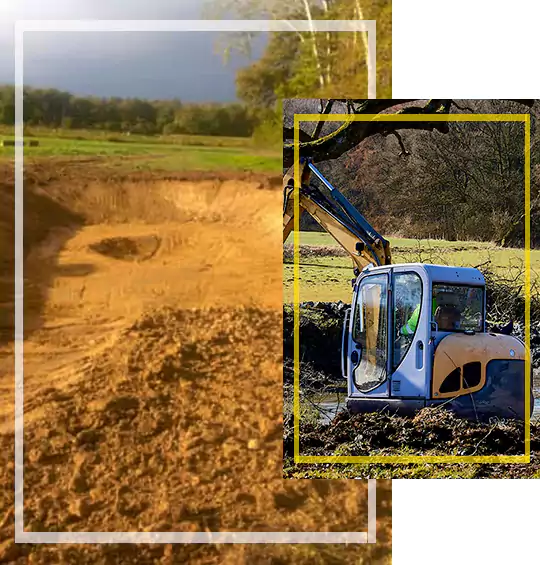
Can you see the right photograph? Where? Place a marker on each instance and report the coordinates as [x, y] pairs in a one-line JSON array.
[[411, 335]]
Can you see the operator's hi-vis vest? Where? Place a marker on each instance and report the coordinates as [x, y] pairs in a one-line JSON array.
[[410, 327]]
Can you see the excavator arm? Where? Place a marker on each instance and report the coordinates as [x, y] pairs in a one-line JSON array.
[[337, 216]]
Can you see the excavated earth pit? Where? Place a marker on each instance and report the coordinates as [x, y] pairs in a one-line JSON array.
[[153, 373]]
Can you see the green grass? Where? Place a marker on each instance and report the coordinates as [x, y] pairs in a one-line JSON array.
[[170, 153], [323, 238], [380, 471], [119, 137], [329, 278]]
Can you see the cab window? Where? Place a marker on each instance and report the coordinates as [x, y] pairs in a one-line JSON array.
[[370, 331], [407, 310], [458, 308]]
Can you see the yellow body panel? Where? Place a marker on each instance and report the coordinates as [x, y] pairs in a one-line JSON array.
[[455, 350]]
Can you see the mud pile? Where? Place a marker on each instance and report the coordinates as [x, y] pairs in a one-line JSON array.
[[433, 431]]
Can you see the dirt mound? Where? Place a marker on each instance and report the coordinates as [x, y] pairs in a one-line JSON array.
[[128, 248], [41, 216], [176, 428], [432, 431]]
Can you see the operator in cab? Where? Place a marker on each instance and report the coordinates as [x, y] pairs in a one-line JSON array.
[[448, 318], [444, 310]]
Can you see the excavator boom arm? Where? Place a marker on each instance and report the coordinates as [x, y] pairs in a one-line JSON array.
[[337, 216]]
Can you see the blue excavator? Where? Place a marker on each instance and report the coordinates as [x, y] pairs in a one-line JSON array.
[[416, 333]]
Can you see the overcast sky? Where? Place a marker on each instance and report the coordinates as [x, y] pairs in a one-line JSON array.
[[160, 65]]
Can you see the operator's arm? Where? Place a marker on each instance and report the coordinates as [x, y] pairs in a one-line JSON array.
[[410, 327]]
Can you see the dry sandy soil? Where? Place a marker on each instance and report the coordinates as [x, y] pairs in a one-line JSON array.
[[153, 372]]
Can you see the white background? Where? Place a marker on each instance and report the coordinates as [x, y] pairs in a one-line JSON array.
[[465, 522], [465, 49]]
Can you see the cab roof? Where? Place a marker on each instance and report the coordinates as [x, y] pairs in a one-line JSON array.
[[440, 273]]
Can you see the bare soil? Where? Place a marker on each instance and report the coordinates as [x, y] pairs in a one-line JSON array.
[[153, 372]]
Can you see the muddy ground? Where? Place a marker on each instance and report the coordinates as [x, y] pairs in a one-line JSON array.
[[430, 432], [153, 371], [433, 431]]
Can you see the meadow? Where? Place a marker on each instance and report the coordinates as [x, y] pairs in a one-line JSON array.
[[148, 152], [327, 278]]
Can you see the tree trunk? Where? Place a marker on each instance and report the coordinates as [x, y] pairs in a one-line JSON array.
[[314, 47], [326, 9]]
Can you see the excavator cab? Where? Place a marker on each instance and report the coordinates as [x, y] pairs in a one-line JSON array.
[[415, 337], [415, 334]]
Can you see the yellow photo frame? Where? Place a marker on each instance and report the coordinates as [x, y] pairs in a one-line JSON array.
[[406, 459]]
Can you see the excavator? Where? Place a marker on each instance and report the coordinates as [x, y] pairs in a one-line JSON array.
[[416, 333]]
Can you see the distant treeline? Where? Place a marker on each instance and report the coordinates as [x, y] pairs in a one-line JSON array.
[[57, 109]]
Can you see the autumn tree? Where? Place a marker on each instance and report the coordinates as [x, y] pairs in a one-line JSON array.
[[309, 63]]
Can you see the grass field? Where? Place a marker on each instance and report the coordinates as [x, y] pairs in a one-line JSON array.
[[169, 153], [328, 278], [103, 135]]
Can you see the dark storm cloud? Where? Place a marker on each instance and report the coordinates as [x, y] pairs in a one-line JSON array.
[[150, 65]]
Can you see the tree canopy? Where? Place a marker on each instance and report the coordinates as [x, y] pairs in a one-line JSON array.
[[312, 64]]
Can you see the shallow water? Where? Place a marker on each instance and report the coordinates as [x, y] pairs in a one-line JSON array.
[[330, 404]]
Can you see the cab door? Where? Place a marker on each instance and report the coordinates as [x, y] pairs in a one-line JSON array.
[[409, 356], [368, 341]]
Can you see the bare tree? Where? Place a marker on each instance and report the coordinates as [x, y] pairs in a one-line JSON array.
[[351, 133], [465, 183]]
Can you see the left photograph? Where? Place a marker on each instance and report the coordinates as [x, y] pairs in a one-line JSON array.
[[141, 309]]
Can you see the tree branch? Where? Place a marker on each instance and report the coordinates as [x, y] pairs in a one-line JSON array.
[[404, 151], [352, 133], [288, 133], [327, 109]]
